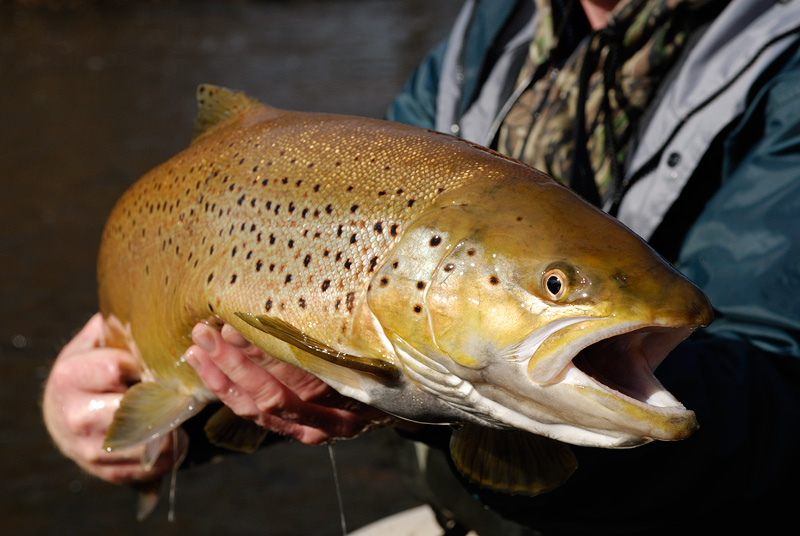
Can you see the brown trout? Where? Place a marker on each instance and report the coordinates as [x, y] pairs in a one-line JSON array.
[[421, 274]]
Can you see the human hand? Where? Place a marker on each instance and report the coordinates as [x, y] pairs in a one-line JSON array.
[[277, 396], [83, 390]]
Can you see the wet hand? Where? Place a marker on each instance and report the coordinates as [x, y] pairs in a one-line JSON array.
[[275, 395], [82, 392]]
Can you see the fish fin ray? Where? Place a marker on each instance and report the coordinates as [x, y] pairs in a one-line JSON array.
[[511, 461], [226, 429], [147, 412], [152, 451], [216, 105], [287, 333], [149, 495]]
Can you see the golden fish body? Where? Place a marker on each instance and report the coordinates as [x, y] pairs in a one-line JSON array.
[[413, 271]]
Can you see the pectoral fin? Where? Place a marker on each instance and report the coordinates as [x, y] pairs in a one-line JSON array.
[[511, 461], [146, 413], [226, 429], [286, 332]]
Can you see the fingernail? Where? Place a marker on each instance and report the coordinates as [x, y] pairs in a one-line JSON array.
[[233, 337], [203, 338], [190, 358]]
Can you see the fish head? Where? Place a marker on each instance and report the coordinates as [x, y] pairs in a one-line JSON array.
[[527, 307]]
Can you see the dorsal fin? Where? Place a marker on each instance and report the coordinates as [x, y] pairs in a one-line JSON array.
[[216, 105]]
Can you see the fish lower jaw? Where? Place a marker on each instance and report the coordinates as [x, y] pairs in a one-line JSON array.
[[658, 399]]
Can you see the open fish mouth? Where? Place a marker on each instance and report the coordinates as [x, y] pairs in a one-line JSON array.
[[624, 364]]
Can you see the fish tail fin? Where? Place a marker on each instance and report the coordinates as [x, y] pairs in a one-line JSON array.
[[146, 413], [511, 461]]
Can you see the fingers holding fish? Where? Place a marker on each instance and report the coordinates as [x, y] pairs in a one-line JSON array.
[[274, 395], [82, 393]]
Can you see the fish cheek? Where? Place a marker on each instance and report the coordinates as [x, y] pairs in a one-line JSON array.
[[474, 312]]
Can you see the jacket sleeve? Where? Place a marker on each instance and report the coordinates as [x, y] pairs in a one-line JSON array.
[[416, 102], [741, 375]]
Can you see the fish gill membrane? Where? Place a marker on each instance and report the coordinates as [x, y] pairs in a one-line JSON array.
[[413, 271]]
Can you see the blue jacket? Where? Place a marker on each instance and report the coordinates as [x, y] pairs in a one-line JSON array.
[[714, 183]]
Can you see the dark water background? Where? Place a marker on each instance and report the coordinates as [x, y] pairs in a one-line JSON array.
[[90, 99]]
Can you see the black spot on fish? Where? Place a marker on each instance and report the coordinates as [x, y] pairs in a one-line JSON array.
[[381, 193], [494, 280], [272, 267], [395, 264], [233, 251], [307, 260], [325, 285], [233, 279], [411, 203], [338, 256], [435, 241], [259, 265], [353, 238], [353, 208], [417, 308], [271, 238], [373, 262], [350, 301], [393, 229], [348, 264], [449, 267], [268, 305], [288, 279], [420, 285], [302, 303], [329, 209], [471, 252], [384, 281], [290, 244], [339, 231], [378, 227], [316, 188]]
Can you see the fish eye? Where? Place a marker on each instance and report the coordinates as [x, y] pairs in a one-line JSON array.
[[555, 284]]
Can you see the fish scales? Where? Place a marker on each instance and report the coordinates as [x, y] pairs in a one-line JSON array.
[[289, 216], [422, 274]]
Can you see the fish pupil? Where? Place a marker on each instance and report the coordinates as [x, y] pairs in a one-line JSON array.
[[554, 285]]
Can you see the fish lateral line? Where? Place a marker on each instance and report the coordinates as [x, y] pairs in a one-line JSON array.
[[286, 332]]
